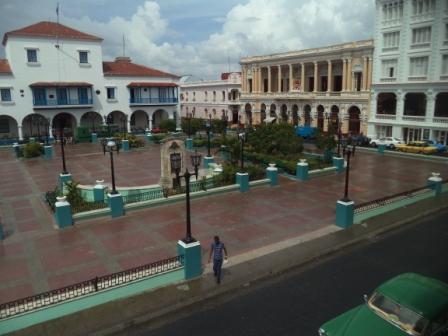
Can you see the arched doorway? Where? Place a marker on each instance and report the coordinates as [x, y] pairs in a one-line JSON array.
[[441, 109], [354, 124], [139, 121], [158, 116], [248, 111], [295, 115], [386, 103], [92, 119], [334, 118], [66, 121], [8, 128], [273, 113], [307, 115], [320, 117], [118, 120], [263, 112], [284, 113], [36, 126]]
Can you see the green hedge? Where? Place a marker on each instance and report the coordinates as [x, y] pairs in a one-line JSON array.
[[33, 149]]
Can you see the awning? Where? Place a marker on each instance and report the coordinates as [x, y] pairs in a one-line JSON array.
[[269, 119], [61, 84], [151, 84]]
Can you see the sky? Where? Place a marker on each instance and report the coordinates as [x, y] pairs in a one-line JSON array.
[[202, 38]]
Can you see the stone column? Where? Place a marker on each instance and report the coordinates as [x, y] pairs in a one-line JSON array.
[[349, 75], [329, 77], [430, 105], [369, 73], [279, 78], [291, 80], [400, 105], [128, 126], [302, 78], [19, 129], [258, 79], [269, 79], [344, 75], [364, 73], [316, 73], [243, 79]]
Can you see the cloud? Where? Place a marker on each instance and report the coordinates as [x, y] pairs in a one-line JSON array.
[[254, 28]]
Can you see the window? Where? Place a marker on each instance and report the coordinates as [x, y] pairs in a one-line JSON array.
[[83, 57], [421, 7], [4, 125], [393, 11], [444, 64], [446, 32], [418, 66], [421, 35], [391, 40], [31, 55], [5, 95], [110, 93], [205, 96], [388, 68]]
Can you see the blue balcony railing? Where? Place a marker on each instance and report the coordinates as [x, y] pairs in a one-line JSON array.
[[153, 100], [61, 102]]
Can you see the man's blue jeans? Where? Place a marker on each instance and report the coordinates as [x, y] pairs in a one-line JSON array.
[[217, 265]]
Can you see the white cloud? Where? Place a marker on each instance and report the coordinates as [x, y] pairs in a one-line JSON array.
[[257, 27]]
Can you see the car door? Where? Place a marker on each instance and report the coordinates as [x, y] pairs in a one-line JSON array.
[[439, 326]]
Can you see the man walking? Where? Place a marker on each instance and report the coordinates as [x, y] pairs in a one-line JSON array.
[[217, 250]]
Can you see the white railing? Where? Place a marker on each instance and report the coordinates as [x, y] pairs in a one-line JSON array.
[[440, 120], [386, 116], [413, 118]]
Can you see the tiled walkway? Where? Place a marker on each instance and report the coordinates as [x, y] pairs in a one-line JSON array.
[[36, 257]]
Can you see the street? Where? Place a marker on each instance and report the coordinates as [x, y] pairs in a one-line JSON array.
[[298, 302]]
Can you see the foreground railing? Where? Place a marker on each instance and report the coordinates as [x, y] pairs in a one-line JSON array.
[[88, 206], [144, 196], [94, 285]]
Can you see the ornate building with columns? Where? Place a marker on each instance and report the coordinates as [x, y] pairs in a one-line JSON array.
[[410, 77], [311, 87]]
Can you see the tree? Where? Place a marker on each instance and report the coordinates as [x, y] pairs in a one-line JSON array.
[[168, 125]]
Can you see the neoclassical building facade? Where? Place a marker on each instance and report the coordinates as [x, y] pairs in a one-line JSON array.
[[310, 87], [410, 77], [54, 75], [216, 98]]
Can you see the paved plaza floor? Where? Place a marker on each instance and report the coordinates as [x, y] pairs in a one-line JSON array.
[[37, 257]]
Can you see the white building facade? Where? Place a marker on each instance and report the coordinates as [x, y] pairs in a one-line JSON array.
[[216, 98], [54, 75], [410, 70]]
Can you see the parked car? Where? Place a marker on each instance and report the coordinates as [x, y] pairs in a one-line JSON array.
[[389, 142], [361, 139], [408, 304], [306, 132], [419, 147], [440, 147], [156, 130]]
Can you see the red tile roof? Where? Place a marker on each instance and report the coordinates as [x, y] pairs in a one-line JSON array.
[[151, 84], [124, 67], [60, 84], [4, 67], [50, 29]]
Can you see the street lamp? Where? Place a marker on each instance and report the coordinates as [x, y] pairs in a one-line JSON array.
[[175, 160], [108, 121], [242, 137], [347, 152], [338, 124], [47, 126], [124, 120], [208, 126], [111, 146], [61, 138]]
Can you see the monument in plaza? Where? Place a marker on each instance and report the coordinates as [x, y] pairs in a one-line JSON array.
[[167, 150]]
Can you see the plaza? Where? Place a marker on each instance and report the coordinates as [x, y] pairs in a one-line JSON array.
[[37, 257]]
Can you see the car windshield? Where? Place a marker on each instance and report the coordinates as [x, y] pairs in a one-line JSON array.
[[397, 314]]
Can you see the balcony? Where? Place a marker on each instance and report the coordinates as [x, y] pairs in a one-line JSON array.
[[440, 120], [385, 116], [153, 101], [46, 103], [414, 118]]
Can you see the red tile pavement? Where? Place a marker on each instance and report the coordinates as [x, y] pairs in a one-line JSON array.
[[36, 257]]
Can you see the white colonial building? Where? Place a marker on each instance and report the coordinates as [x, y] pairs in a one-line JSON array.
[[312, 87], [216, 98], [53, 74], [410, 70]]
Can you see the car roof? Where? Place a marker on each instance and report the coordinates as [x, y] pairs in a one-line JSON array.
[[423, 295]]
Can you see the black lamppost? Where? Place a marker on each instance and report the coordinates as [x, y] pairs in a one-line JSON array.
[[47, 127], [108, 121], [347, 152], [175, 160], [111, 146], [124, 120], [339, 135], [208, 126], [242, 137], [61, 138], [92, 117]]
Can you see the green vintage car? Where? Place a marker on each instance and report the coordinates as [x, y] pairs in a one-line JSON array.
[[409, 304]]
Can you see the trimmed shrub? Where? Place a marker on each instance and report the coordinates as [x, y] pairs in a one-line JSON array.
[[32, 149], [168, 125]]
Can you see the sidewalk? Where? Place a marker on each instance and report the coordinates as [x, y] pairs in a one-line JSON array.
[[171, 302]]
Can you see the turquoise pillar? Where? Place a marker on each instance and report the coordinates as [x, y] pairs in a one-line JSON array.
[[148, 137], [63, 213], [302, 170], [98, 191], [48, 150], [345, 213], [125, 145], [192, 260], [272, 174], [94, 138], [243, 180], [63, 179], [338, 163], [381, 149], [435, 183], [116, 205], [207, 160], [189, 144], [328, 154]]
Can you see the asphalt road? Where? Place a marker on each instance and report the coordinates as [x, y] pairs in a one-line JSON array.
[[298, 302]]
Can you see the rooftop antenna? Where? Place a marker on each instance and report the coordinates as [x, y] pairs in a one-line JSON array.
[[57, 20], [124, 47]]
